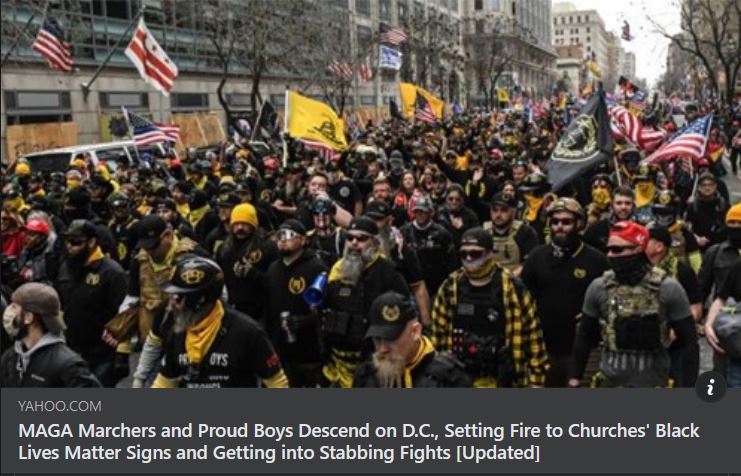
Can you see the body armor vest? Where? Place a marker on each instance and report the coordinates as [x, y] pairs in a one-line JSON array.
[[633, 322], [478, 328], [346, 324], [679, 244], [506, 251], [151, 296]]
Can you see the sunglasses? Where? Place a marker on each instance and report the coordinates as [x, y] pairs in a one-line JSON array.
[[454, 199], [285, 235], [76, 242], [470, 255], [563, 221], [617, 249], [358, 238]]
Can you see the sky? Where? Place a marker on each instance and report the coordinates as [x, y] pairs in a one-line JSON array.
[[649, 46]]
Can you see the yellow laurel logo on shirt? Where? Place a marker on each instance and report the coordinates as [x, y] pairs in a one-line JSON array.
[[580, 273], [296, 285], [92, 279], [390, 313], [192, 276], [255, 256], [664, 199]]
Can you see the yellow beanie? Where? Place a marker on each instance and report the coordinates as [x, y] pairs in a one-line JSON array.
[[734, 213], [79, 164], [22, 168], [244, 213]]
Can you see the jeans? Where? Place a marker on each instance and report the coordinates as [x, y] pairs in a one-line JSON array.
[[734, 373]]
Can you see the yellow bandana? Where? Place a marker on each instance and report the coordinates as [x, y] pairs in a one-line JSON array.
[[183, 209], [645, 192], [533, 206], [601, 197], [196, 216], [198, 339], [96, 255]]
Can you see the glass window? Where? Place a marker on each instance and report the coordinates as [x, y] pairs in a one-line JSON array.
[[478, 4], [362, 7], [278, 99], [240, 99], [189, 101], [34, 107], [135, 101], [403, 10], [367, 100], [37, 100], [384, 10], [364, 37]]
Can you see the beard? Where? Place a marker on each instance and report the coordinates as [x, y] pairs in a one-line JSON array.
[[185, 318], [385, 243], [389, 370], [353, 264]]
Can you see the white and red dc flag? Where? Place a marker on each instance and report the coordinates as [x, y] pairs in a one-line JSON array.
[[153, 64], [51, 45]]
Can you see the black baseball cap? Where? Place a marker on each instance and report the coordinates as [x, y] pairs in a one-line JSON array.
[[660, 234], [364, 224], [293, 225], [503, 199], [81, 229], [389, 314], [150, 229], [378, 209], [478, 237]]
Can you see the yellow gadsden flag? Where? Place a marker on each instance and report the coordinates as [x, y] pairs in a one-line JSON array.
[[409, 91], [502, 95], [313, 120]]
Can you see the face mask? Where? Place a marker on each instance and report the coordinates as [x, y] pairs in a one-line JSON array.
[[13, 204], [665, 219], [11, 318], [629, 269], [601, 197], [533, 206], [72, 183], [734, 236], [564, 244]]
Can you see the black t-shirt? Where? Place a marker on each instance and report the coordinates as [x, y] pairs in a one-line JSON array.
[[558, 286], [596, 235], [240, 354], [346, 194], [732, 286], [688, 279]]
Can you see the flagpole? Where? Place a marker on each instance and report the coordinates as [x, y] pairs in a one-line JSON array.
[[285, 130], [86, 86], [18, 40]]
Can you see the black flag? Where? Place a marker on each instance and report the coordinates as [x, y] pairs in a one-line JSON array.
[[586, 143], [394, 110], [265, 122]]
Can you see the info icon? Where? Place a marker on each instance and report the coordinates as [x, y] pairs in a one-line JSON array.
[[710, 387]]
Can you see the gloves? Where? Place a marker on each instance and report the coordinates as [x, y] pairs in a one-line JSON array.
[[242, 268], [295, 323]]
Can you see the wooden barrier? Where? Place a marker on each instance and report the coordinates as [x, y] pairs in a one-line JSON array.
[[27, 138]]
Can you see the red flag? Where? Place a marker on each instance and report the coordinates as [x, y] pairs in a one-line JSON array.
[[150, 60]]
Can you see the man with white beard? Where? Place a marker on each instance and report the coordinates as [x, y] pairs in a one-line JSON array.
[[403, 357], [361, 275]]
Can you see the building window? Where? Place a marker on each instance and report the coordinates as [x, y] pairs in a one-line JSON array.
[[133, 100], [589, 39], [589, 30], [35, 107], [586, 18], [478, 5], [589, 48], [364, 37], [278, 99], [186, 102], [480, 25], [571, 19], [578, 19], [367, 101], [239, 100], [384, 10], [362, 7], [403, 10]]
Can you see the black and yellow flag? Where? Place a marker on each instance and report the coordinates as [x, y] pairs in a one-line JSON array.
[[313, 120], [585, 144]]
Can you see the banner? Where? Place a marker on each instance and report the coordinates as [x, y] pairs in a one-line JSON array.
[[389, 58], [198, 130], [409, 91], [313, 120], [586, 143], [502, 95]]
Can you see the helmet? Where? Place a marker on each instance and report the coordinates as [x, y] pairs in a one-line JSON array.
[[536, 182], [566, 204], [665, 208], [198, 279], [602, 177], [323, 205], [645, 172]]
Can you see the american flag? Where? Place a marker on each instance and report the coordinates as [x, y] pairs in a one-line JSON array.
[[392, 36], [625, 124], [147, 132], [365, 71], [325, 152], [153, 64], [51, 45], [423, 111], [341, 69], [688, 143]]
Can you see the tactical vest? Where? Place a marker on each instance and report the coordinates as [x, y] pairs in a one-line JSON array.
[[633, 322], [679, 244], [478, 327], [345, 325], [150, 294], [723, 257], [506, 251]]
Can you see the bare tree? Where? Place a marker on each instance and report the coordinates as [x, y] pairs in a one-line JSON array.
[[713, 36], [490, 53]]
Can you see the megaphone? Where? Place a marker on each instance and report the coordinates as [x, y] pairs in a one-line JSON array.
[[314, 296]]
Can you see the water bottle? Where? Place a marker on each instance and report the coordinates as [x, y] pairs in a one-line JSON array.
[[290, 336]]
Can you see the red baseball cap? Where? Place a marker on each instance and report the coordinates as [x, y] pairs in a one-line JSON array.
[[632, 232]]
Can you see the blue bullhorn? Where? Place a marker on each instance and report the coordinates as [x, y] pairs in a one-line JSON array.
[[314, 296]]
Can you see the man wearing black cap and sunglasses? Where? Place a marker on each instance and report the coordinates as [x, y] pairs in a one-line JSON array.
[[404, 357], [355, 281], [513, 239], [486, 318]]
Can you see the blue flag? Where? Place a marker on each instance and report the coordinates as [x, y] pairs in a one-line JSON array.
[[457, 108], [389, 58]]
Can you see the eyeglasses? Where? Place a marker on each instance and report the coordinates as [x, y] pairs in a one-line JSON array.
[[285, 235], [76, 242], [470, 255], [562, 221], [358, 238], [617, 249], [454, 199]]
